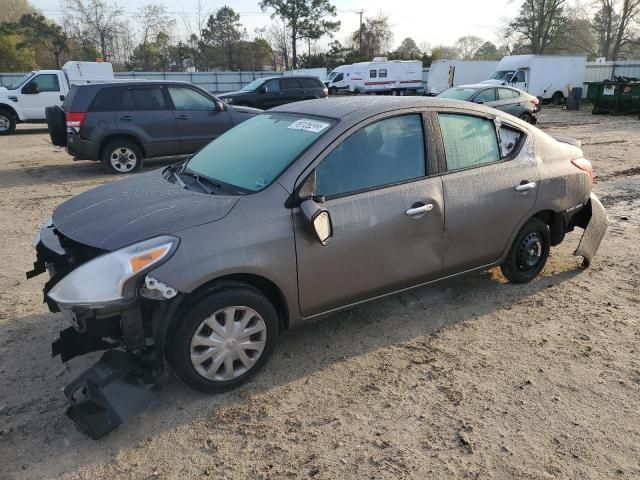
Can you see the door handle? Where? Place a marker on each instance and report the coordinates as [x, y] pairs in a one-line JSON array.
[[413, 211], [126, 117], [183, 117], [523, 187]]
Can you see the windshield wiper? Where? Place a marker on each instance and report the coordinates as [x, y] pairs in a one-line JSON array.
[[200, 179]]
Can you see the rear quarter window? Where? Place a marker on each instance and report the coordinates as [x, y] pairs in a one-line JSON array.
[[68, 100], [106, 100]]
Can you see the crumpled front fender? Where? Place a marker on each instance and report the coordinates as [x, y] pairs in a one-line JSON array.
[[593, 231]]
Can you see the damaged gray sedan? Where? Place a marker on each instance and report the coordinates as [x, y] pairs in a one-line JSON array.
[[297, 213]]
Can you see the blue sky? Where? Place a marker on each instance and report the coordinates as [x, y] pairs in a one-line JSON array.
[[430, 21]]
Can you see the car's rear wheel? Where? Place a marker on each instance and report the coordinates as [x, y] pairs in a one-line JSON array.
[[7, 122], [527, 117], [122, 156], [402, 93], [529, 252], [224, 338]]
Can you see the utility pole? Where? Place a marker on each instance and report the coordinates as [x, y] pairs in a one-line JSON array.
[[360, 12]]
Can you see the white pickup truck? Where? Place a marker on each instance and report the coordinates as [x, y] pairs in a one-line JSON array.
[[26, 100]]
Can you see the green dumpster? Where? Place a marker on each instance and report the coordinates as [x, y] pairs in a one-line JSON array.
[[614, 97]]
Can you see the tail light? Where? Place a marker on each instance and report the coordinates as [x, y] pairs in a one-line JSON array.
[[325, 92], [75, 120], [535, 101], [584, 165]]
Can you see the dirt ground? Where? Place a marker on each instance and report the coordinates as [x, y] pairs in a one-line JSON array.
[[469, 378]]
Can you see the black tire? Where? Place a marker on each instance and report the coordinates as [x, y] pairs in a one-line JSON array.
[[333, 91], [128, 151], [402, 93], [192, 321], [529, 252], [557, 98], [7, 122], [527, 117], [57, 125]]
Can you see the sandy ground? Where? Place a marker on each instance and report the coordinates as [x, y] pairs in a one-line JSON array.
[[470, 378]]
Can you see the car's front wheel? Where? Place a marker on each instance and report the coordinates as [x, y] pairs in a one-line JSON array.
[[529, 252], [224, 338], [7, 122], [122, 156], [527, 117]]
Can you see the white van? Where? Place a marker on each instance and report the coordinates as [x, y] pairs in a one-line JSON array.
[[549, 77], [338, 79], [445, 73], [26, 100]]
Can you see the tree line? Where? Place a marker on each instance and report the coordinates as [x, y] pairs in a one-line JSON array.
[[301, 35]]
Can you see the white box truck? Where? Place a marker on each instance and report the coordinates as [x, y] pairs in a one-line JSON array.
[[26, 100], [445, 74], [548, 77], [395, 77]]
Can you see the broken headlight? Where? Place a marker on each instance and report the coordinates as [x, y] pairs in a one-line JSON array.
[[110, 278]]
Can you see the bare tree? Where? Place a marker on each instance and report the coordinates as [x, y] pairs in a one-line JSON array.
[[95, 22], [469, 45], [154, 19], [613, 24], [280, 41], [540, 24]]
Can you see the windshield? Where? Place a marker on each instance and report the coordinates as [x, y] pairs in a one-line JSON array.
[[253, 154], [458, 93], [503, 75], [22, 80], [332, 74], [253, 85]]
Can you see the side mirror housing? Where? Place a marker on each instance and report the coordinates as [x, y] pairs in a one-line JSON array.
[[30, 89], [318, 220], [220, 106], [262, 89], [480, 101]]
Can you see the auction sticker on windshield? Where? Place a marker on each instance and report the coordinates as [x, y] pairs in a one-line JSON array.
[[308, 125]]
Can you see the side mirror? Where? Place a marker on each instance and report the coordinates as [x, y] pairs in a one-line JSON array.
[[219, 106], [263, 89], [480, 101], [318, 220], [31, 88]]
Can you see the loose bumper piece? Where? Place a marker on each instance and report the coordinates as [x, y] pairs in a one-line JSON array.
[[594, 232], [113, 390]]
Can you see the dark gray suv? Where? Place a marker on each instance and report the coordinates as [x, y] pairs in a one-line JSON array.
[[122, 123]]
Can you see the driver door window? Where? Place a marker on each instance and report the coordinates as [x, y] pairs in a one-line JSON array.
[[187, 99], [386, 152], [46, 83], [488, 95]]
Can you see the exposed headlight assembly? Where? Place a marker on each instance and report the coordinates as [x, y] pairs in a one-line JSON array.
[[111, 278]]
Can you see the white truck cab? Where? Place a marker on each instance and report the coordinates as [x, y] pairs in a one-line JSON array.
[[26, 100], [548, 77]]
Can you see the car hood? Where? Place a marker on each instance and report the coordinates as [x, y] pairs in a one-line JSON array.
[[493, 82], [238, 93], [127, 211]]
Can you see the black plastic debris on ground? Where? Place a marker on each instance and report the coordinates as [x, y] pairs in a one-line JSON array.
[[113, 390]]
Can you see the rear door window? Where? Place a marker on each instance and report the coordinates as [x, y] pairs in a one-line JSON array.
[[291, 83], [143, 99], [310, 83], [507, 94], [488, 95], [469, 141], [385, 152], [373, 73], [188, 99]]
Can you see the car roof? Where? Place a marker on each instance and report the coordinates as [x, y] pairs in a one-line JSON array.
[[133, 81], [368, 105]]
